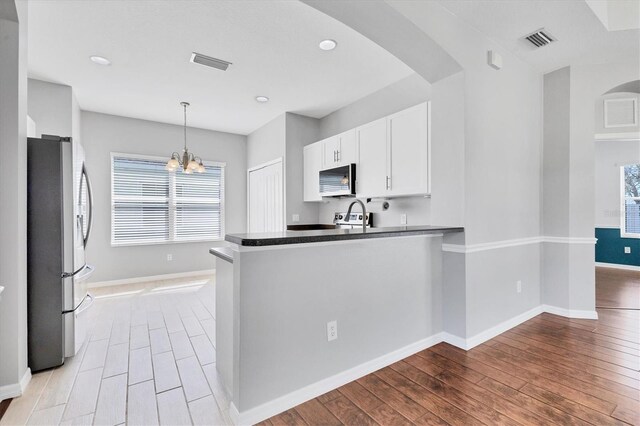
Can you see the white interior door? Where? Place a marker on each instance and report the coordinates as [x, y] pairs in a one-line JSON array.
[[266, 198]]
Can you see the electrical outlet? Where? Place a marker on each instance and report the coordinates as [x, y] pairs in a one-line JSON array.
[[403, 219], [332, 330], [295, 217], [627, 250], [169, 257], [519, 286]]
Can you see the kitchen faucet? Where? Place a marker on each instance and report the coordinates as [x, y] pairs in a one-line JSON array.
[[364, 214]]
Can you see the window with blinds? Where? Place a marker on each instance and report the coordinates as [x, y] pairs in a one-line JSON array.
[[150, 205], [631, 201]]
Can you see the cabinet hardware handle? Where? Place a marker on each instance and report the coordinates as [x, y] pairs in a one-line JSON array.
[[334, 156], [388, 182], [338, 154]]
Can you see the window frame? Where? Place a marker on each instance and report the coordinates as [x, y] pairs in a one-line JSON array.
[[171, 201], [623, 211]]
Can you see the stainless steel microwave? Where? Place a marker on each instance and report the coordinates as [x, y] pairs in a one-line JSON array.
[[338, 181]]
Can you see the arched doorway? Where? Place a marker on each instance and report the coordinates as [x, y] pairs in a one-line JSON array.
[[617, 198]]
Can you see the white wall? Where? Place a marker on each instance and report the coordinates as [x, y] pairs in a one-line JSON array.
[[403, 94], [103, 134], [610, 155], [13, 198]]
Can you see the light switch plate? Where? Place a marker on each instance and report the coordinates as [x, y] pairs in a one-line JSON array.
[[627, 250], [295, 218]]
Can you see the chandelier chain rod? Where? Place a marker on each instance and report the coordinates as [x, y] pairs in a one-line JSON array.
[[185, 127]]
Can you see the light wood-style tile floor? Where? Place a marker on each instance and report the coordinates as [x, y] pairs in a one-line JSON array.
[[149, 359]]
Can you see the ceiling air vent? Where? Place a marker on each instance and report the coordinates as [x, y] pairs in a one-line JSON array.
[[199, 58], [540, 38]]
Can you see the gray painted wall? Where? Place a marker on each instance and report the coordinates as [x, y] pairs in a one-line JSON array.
[[599, 123], [557, 108], [267, 143], [284, 137], [610, 156], [13, 196], [300, 131], [400, 95], [50, 106], [448, 151], [103, 134], [502, 156], [378, 310]]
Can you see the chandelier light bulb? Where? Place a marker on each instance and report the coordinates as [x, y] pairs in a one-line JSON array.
[[172, 164]]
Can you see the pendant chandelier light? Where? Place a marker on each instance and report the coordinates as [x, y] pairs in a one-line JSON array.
[[189, 162]]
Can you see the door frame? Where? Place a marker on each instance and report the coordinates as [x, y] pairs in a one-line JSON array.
[[279, 160]]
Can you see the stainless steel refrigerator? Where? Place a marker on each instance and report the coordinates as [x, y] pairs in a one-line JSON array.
[[59, 218]]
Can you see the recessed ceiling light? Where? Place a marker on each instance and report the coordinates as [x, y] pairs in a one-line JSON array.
[[262, 99], [327, 44], [100, 60]]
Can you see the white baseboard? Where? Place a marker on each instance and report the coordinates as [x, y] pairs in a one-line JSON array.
[[15, 389], [570, 313], [271, 408], [151, 278], [492, 332], [618, 266], [452, 339], [285, 402]]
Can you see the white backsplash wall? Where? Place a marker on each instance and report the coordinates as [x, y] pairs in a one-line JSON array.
[[417, 209]]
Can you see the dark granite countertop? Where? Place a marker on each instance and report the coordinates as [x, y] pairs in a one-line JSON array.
[[224, 253], [316, 236]]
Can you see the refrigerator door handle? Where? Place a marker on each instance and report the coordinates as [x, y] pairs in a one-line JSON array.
[[90, 202], [72, 274], [87, 296]]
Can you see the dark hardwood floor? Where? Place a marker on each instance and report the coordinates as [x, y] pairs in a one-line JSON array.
[[549, 370], [617, 288]]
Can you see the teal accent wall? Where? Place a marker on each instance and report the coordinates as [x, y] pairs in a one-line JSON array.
[[610, 247]]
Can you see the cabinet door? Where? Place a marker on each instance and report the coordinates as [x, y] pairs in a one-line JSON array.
[[312, 155], [409, 151], [371, 171], [330, 152], [347, 147]]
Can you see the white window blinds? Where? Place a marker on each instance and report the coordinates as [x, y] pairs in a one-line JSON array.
[[151, 205]]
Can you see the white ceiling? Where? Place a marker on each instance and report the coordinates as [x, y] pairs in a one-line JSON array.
[[582, 39], [273, 46]]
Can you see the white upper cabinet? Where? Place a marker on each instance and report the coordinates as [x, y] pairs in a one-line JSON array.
[[347, 152], [371, 168], [409, 151], [392, 156], [339, 150], [330, 147], [313, 158]]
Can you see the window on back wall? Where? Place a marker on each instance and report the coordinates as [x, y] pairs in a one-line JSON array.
[[150, 205], [631, 201]]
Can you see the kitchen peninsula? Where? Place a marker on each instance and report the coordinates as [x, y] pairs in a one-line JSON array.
[[299, 313]]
